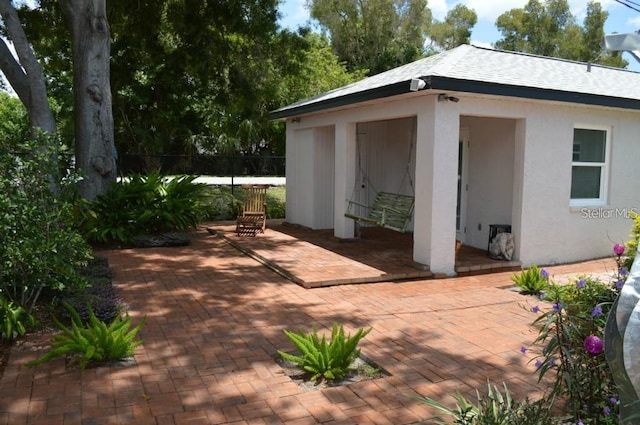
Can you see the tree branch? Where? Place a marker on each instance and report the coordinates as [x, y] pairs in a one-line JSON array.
[[14, 73]]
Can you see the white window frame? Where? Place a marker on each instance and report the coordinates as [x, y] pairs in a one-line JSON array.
[[604, 168]]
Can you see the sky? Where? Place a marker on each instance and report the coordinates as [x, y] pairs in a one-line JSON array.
[[621, 18]]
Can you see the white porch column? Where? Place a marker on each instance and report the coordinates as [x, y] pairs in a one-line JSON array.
[[345, 167], [434, 235]]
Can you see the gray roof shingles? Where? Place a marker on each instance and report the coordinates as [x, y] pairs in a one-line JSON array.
[[473, 69]]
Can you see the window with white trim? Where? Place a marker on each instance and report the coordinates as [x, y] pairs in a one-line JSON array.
[[589, 168]]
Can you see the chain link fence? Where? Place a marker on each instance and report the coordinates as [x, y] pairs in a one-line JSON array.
[[205, 165]]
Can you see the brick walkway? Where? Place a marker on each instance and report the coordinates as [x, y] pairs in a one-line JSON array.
[[214, 324]]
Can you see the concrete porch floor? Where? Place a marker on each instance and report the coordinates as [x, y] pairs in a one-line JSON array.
[[315, 258]]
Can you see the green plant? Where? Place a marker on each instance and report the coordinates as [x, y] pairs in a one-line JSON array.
[[144, 205], [41, 248], [632, 244], [93, 341], [14, 319], [328, 360], [571, 336], [494, 408], [532, 281]]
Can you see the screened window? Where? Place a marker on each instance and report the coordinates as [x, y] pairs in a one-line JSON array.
[[589, 166]]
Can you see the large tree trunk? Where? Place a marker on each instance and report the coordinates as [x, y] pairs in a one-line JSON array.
[[25, 76], [95, 149]]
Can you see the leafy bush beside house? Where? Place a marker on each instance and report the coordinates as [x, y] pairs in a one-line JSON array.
[[41, 250]]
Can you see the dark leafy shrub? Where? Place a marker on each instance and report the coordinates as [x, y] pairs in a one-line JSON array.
[[144, 205], [93, 341], [41, 249], [100, 297], [329, 360], [276, 209]]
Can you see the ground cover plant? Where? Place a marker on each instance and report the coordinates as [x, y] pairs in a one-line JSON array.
[[321, 359]]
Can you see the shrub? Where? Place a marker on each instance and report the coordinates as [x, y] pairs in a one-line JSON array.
[[571, 337], [322, 359], [632, 244], [14, 319], [494, 408], [532, 281], [93, 341], [144, 205], [41, 249]]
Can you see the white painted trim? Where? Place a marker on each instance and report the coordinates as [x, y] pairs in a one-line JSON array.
[[604, 172]]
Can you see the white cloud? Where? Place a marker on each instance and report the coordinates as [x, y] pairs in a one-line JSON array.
[[438, 8], [490, 10]]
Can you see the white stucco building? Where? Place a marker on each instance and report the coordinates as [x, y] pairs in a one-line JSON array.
[[547, 146]]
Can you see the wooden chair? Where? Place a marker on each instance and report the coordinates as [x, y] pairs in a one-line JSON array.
[[388, 210], [252, 217]]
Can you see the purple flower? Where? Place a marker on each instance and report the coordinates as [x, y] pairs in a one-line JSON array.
[[535, 309], [619, 284], [523, 349], [607, 410], [581, 283], [552, 362], [618, 249], [597, 311], [538, 364], [623, 271], [544, 274], [557, 307], [594, 345], [613, 400], [580, 423]]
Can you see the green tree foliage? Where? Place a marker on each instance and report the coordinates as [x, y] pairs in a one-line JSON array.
[[454, 30], [373, 35], [196, 76], [549, 29], [14, 121]]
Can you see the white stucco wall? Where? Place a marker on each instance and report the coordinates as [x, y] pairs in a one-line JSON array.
[[547, 229], [533, 192]]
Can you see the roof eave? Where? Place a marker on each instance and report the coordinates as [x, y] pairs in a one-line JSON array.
[[463, 86]]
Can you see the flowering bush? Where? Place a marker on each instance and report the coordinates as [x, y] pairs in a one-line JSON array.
[[572, 355]]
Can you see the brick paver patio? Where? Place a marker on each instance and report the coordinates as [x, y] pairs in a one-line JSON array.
[[214, 324]]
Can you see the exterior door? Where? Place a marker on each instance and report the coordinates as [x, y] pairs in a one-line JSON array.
[[463, 186]]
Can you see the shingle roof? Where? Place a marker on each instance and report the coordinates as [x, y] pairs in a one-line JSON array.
[[482, 70]]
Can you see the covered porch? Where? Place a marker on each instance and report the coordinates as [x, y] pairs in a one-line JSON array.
[[316, 258]]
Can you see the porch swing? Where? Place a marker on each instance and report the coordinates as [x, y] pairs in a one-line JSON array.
[[388, 210]]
